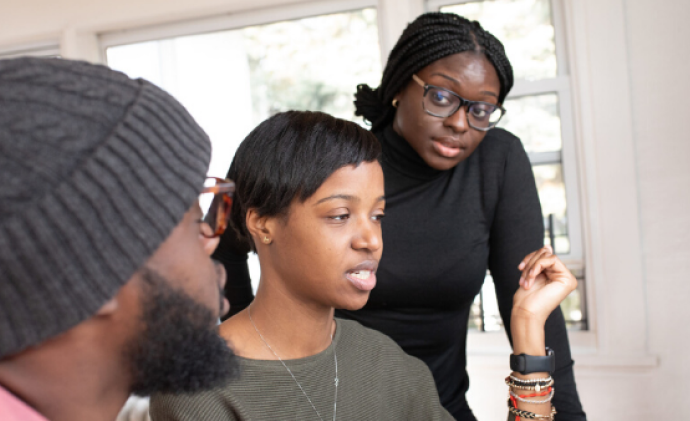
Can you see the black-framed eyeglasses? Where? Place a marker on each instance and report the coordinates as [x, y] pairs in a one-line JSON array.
[[440, 102], [215, 201]]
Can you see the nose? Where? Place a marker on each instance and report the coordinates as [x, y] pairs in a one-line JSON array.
[[458, 120], [368, 236]]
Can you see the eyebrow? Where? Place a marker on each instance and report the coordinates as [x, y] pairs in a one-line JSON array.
[[458, 82], [345, 197]]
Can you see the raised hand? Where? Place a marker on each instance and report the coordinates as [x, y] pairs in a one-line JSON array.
[[544, 283]]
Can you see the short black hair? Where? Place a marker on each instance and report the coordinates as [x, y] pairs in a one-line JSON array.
[[430, 37], [289, 156]]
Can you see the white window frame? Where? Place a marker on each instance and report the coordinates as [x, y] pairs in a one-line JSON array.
[[230, 21], [35, 49], [588, 140]]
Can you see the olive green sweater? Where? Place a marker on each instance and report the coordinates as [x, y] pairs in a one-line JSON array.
[[377, 381]]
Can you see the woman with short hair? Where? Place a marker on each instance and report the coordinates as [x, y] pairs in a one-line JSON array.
[[309, 199]]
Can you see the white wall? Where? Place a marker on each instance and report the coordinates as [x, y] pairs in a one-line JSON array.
[[659, 60], [630, 64], [633, 67]]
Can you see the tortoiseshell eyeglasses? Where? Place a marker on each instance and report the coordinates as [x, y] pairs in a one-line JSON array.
[[216, 202]]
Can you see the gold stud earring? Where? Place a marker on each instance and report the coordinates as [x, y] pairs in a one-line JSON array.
[[267, 240], [395, 103]]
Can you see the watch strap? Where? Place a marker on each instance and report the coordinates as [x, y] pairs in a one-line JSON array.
[[525, 364]]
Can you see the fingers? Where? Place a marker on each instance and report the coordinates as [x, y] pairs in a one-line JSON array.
[[545, 282], [543, 263], [538, 268], [527, 265], [527, 258]]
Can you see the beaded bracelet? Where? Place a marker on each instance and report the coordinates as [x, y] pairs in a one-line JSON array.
[[530, 415], [530, 381], [537, 387], [549, 397]]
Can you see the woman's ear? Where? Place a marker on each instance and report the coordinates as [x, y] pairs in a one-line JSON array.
[[259, 227]]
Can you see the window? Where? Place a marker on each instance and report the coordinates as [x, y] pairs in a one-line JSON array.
[[539, 113], [232, 79]]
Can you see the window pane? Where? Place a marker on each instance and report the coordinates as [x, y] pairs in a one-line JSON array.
[[476, 320], [525, 29], [313, 64], [573, 310], [551, 189], [230, 81], [535, 120], [492, 317]]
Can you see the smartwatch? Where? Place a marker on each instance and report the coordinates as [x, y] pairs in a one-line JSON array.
[[525, 364]]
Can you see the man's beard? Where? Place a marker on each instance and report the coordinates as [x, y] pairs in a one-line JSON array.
[[179, 349]]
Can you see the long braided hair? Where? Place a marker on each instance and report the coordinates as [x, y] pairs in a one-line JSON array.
[[428, 38]]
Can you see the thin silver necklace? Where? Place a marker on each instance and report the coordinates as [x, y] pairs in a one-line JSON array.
[[335, 358]]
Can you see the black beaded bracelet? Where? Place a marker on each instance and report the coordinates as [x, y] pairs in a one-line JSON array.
[[529, 386]]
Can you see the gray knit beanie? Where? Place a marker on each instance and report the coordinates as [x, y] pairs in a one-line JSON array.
[[96, 169]]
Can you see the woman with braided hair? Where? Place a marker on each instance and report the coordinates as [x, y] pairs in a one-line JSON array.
[[460, 197]]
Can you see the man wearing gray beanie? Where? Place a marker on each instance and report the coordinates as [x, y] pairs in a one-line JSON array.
[[106, 283]]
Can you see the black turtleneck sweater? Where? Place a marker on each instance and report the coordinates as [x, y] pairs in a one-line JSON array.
[[442, 230]]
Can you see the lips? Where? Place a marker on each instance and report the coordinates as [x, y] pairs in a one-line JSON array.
[[447, 147], [363, 276]]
